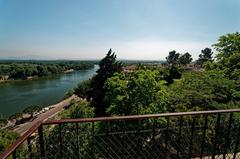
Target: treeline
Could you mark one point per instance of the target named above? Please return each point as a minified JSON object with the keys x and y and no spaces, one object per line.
{"x":168,"y":89}
{"x":24,"y":69}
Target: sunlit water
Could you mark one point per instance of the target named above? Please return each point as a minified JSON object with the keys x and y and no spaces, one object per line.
{"x":15,"y":96}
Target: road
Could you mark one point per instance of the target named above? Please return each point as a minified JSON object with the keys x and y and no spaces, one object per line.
{"x":22,"y":128}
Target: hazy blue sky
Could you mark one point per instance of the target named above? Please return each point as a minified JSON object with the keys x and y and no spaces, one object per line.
{"x":135,"y":29}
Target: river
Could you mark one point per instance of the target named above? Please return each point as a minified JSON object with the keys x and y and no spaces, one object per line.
{"x":17,"y":95}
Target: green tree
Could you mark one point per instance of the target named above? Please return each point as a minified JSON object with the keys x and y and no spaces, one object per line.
{"x":42,"y":70}
{"x":185,"y":59}
{"x":205,"y":56}
{"x":203,"y":91}
{"x":227,"y":45}
{"x":83,"y":89}
{"x":173,"y":57}
{"x":171,"y":73}
{"x":139,"y":92}
{"x":228,"y":56}
{"x":31,"y":110}
{"x":6,"y":139}
{"x":108,"y":66}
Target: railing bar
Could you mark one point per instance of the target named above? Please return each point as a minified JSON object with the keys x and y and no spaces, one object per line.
{"x":217,"y":127}
{"x":237,"y":143}
{"x":93,"y":139}
{"x":77,"y":145}
{"x":123,"y":150}
{"x":166,"y":135}
{"x":153,"y":132}
{"x":228,"y":134}
{"x":29,"y":148}
{"x":179,"y":135}
{"x":192,"y":137}
{"x":60,"y":140}
{"x":107,"y":136}
{"x":139,"y":143}
{"x":14,"y":155}
{"x":203,"y":136}
{"x":41,"y":142}
{"x":137,"y":117}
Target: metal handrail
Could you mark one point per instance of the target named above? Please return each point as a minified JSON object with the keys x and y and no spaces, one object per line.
{"x":35,"y":127}
{"x":139,"y":117}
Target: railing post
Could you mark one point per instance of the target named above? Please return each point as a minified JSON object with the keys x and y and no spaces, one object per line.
{"x":217,"y":127}
{"x":204,"y":135}
{"x":166,"y":134}
{"x":167,"y":137}
{"x":77,"y":145}
{"x":14,"y":155}
{"x":93,"y":139}
{"x":60,"y":140}
{"x":29,"y":148}
{"x":192,"y":137}
{"x":41,"y":142}
{"x":237,"y":143}
{"x":228,"y":134}
{"x":179,"y":136}
{"x":139,"y":144}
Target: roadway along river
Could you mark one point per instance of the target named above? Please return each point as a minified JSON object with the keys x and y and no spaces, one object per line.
{"x":17,"y":95}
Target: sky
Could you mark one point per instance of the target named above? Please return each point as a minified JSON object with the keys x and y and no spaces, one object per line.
{"x":134,"y":29}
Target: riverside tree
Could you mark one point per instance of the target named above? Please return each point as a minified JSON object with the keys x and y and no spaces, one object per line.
{"x":108,"y":66}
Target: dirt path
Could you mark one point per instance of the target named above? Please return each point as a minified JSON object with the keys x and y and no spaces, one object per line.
{"x":44,"y":116}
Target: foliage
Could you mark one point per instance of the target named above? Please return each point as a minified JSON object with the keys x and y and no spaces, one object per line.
{"x":22,"y":70}
{"x":68,"y":94}
{"x":228,"y":56}
{"x":6,"y":139}
{"x":15,"y":116}
{"x":173,"y":57}
{"x":171,"y":73}
{"x":80,"y":109}
{"x":227,"y":45}
{"x":205,"y":56}
{"x":108,"y":66}
{"x":3,"y":122}
{"x":185,"y":59}
{"x":32,"y":109}
{"x":203,"y":91}
{"x":139,"y":92}
{"x":83,"y":89}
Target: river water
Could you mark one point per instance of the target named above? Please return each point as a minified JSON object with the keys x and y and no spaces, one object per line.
{"x":17,"y":95}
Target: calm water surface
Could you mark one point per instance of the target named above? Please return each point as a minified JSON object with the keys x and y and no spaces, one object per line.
{"x":15,"y":96}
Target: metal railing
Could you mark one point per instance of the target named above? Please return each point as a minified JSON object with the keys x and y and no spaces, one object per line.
{"x":202,"y":134}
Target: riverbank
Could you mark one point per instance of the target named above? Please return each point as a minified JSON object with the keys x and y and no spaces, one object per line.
{"x":47,"y":113}
{"x":27,"y":78}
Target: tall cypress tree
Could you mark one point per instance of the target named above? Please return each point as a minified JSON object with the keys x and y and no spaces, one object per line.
{"x":107,"y":67}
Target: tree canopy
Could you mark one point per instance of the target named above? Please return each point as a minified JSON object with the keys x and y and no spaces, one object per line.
{"x":107,"y":67}
{"x":205,"y":56}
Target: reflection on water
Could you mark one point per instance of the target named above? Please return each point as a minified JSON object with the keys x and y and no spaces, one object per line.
{"x":17,"y":95}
